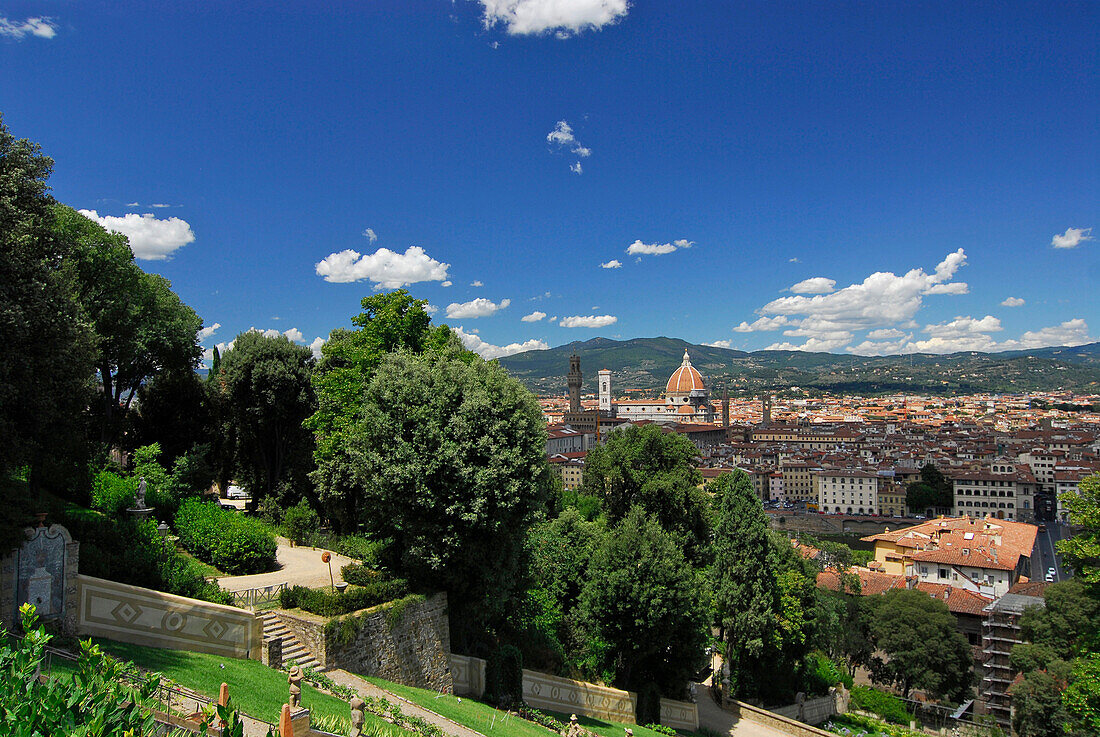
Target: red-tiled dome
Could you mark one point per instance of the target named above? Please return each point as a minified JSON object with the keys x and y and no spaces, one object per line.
{"x":685,"y":379}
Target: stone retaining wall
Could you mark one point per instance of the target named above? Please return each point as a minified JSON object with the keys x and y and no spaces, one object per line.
{"x":776,"y":721}
{"x":811,"y":711}
{"x":141,"y":616}
{"x":679,"y":715}
{"x":544,"y":691}
{"x":468,"y":674}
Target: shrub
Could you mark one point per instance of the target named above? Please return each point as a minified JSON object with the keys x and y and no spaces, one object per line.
{"x":112,"y":494}
{"x":327,"y":604}
{"x":360,"y":547}
{"x":661,"y":729}
{"x":300,"y":523}
{"x":821,"y":673}
{"x":357,"y":574}
{"x":504,"y":675}
{"x":229,"y":541}
{"x":889,"y":707}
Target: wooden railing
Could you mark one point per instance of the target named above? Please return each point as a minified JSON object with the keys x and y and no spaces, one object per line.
{"x":259,"y":597}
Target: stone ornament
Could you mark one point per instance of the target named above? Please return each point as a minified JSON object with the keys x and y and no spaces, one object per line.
{"x":295,"y":681}
{"x":357,"y":717}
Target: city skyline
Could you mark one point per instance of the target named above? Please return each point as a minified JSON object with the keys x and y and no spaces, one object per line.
{"x":849,"y":179}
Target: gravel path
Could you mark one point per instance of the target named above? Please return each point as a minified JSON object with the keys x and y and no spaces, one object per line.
{"x":297,"y":566}
{"x":715,"y":717}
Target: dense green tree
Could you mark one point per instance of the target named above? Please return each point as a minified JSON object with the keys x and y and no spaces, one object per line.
{"x":1081,"y":698}
{"x":142,"y":326}
{"x":644,"y":607}
{"x":447,"y":464}
{"x":647,"y":467}
{"x":1082,"y":551}
{"x":1068,"y":626}
{"x":173,"y":410}
{"x":1037,"y":702}
{"x":922,"y":645}
{"x":389,"y":322}
{"x":268,"y":396}
{"x":933,"y":491}
{"x":45,"y":377}
{"x":746,"y":591}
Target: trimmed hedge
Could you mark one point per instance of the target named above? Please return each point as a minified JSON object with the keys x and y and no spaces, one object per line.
{"x":227,"y":540}
{"x":327,"y":604}
{"x":357,"y":574}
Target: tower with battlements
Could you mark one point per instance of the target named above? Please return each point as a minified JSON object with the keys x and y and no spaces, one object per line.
{"x":574,"y":380}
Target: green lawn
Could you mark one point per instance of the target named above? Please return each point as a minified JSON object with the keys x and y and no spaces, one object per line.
{"x":254,"y":688}
{"x":474,"y":714}
{"x":607,"y":729}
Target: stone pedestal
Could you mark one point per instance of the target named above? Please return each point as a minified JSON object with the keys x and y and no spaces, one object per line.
{"x":272,"y":653}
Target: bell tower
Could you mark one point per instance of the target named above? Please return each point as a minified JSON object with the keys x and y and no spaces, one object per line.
{"x":573,"y":379}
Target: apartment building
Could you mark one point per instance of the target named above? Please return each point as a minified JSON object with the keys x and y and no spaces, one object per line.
{"x":846,"y":491}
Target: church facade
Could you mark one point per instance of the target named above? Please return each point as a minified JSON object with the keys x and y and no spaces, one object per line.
{"x":686,"y":399}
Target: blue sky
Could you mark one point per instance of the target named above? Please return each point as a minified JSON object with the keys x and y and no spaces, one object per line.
{"x":787,"y":174}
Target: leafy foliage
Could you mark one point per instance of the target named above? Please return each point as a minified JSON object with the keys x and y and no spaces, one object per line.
{"x":112,"y":494}
{"x":644,"y":601}
{"x":504,"y":675}
{"x":646,"y":467}
{"x":887,"y":706}
{"x":327,"y":604}
{"x":104,"y":697}
{"x":1082,"y":551}
{"x":227,"y":540}
{"x":300,"y":522}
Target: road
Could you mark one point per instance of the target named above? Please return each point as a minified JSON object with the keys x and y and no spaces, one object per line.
{"x":1045,"y":555}
{"x":297,"y":566}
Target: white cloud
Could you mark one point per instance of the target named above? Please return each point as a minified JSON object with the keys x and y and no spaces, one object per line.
{"x":479,"y":307}
{"x":813,"y":345}
{"x":431,"y":309}
{"x":370,"y":235}
{"x":385,"y":268}
{"x":208,"y":331}
{"x":564,"y":17}
{"x":38,"y":27}
{"x":553,"y":318}
{"x":489,"y":351}
{"x":447,"y":283}
{"x":294,"y":335}
{"x":882,"y":299}
{"x":562,"y":136}
{"x":814,"y":285}
{"x":719,"y":344}
{"x":161,"y":205}
{"x":588,"y":321}
{"x":1070,"y":333}
{"x":870,"y":348}
{"x":612,"y":264}
{"x":887,"y":334}
{"x":150,"y":239}
{"x":637,"y":248}
{"x":576,"y":168}
{"x":315,"y":346}
{"x":1072,"y":238}
{"x":133,"y":204}
{"x":761,"y":323}
{"x":957,"y":287}
{"x":533,"y":317}
{"x":1013,"y":302}
{"x":793,"y":260}
{"x":476,"y":284}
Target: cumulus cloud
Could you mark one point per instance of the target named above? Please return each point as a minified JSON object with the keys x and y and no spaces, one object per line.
{"x":576,"y":168}
{"x":294,"y":335}
{"x":612,"y":264}
{"x":370,"y":235}
{"x":150,"y":239}
{"x":958,"y":287}
{"x":479,"y":307}
{"x":385,"y":268}
{"x":793,"y":260}
{"x":761,"y":323}
{"x":637,"y":248}
{"x":563,"y":17}
{"x":1013,"y":302}
{"x":973,"y":334}
{"x":813,"y":345}
{"x":208,"y":331}
{"x":431,"y":309}
{"x":315,"y":346}
{"x":447,"y":283}
{"x":38,"y":27}
{"x":814,"y":285}
{"x":489,"y":351}
{"x":588,"y":321}
{"x":887,"y":334}
{"x":533,"y":317}
{"x":1070,"y":333}
{"x":1072,"y":238}
{"x":719,"y":344}
{"x":562,"y":137}
{"x":476,"y":283}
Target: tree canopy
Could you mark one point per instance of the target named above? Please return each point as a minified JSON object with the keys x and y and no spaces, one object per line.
{"x":1082,"y":551}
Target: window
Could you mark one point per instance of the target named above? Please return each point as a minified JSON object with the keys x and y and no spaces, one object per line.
{"x":943,"y":573}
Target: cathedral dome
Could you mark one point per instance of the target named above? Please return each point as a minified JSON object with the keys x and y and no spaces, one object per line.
{"x":685,"y":379}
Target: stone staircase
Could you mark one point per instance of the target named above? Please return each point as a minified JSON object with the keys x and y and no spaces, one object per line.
{"x":293,"y":649}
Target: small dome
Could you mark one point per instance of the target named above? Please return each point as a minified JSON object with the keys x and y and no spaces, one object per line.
{"x":685,"y":379}
{"x":685,"y":409}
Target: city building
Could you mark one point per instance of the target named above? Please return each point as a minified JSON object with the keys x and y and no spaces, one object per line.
{"x":840,"y":491}
{"x":1000,"y":632}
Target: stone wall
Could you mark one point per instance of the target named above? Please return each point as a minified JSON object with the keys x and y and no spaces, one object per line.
{"x":779,"y":722}
{"x":810,"y":711}
{"x":310,"y":631}
{"x":140,"y":616}
{"x":544,"y":691}
{"x":679,"y":715}
{"x":468,"y":674}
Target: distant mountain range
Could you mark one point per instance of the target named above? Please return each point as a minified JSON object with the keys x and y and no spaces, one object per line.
{"x":644,"y":365}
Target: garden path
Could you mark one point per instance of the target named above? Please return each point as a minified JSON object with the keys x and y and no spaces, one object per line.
{"x":297,"y":566}
{"x":365,"y":688}
{"x":724,"y":722}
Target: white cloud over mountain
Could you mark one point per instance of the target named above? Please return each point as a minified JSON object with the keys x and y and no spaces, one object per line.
{"x":150,"y":239}
{"x":479,"y":307}
{"x":588,"y":321}
{"x":489,"y":351}
{"x":385,"y":268}
{"x":564,"y":17}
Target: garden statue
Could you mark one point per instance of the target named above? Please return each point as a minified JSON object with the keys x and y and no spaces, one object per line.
{"x":139,"y":503}
{"x":357,"y":716}
{"x":573,"y":729}
{"x":295,"y":681}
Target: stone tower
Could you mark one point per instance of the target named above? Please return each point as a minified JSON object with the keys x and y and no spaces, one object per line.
{"x":605,"y":391}
{"x":767,"y":410}
{"x":573,"y":379}
{"x":726,"y":408}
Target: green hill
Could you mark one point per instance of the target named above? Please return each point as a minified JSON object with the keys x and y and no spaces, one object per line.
{"x":644,"y":365}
